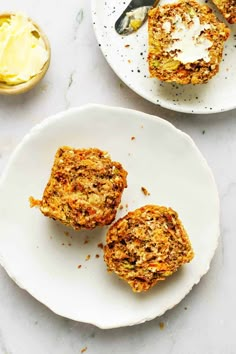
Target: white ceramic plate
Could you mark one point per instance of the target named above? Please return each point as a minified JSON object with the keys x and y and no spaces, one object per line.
{"x":41,"y":257}
{"x":217,"y":95}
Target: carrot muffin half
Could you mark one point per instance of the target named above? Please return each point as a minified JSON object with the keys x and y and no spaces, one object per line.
{"x":227,"y":8}
{"x":186,"y":42}
{"x":84,"y":189}
{"x":146,"y":246}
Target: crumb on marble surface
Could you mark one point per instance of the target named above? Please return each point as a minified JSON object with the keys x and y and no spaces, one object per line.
{"x":83,"y":350}
{"x":162,"y":325}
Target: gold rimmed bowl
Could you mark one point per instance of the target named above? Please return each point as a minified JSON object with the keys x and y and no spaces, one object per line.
{"x":6,"y":89}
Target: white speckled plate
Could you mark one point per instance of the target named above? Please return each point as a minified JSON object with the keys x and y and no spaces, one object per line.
{"x":127,"y":55}
{"x":43,"y":257}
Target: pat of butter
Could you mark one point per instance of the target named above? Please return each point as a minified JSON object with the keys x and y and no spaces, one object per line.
{"x":189,"y":43}
{"x":22,"y":50}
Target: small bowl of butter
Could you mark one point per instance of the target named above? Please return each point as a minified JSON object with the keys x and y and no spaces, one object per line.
{"x":24,"y":53}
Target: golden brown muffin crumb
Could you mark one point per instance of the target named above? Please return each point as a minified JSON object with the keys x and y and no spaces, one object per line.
{"x":145,"y":191}
{"x":100,"y":245}
{"x":146,"y":246}
{"x":84,"y":189}
{"x":162,"y":325}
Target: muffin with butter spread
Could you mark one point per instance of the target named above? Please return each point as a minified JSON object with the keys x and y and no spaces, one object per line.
{"x":186,"y":42}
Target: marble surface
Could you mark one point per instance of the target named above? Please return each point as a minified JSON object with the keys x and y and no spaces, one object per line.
{"x":204,"y":321}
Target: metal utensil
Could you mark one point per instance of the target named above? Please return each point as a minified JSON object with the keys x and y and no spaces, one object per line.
{"x":134,"y":16}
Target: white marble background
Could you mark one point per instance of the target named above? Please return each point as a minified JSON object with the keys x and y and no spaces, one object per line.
{"x":204,"y":322}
